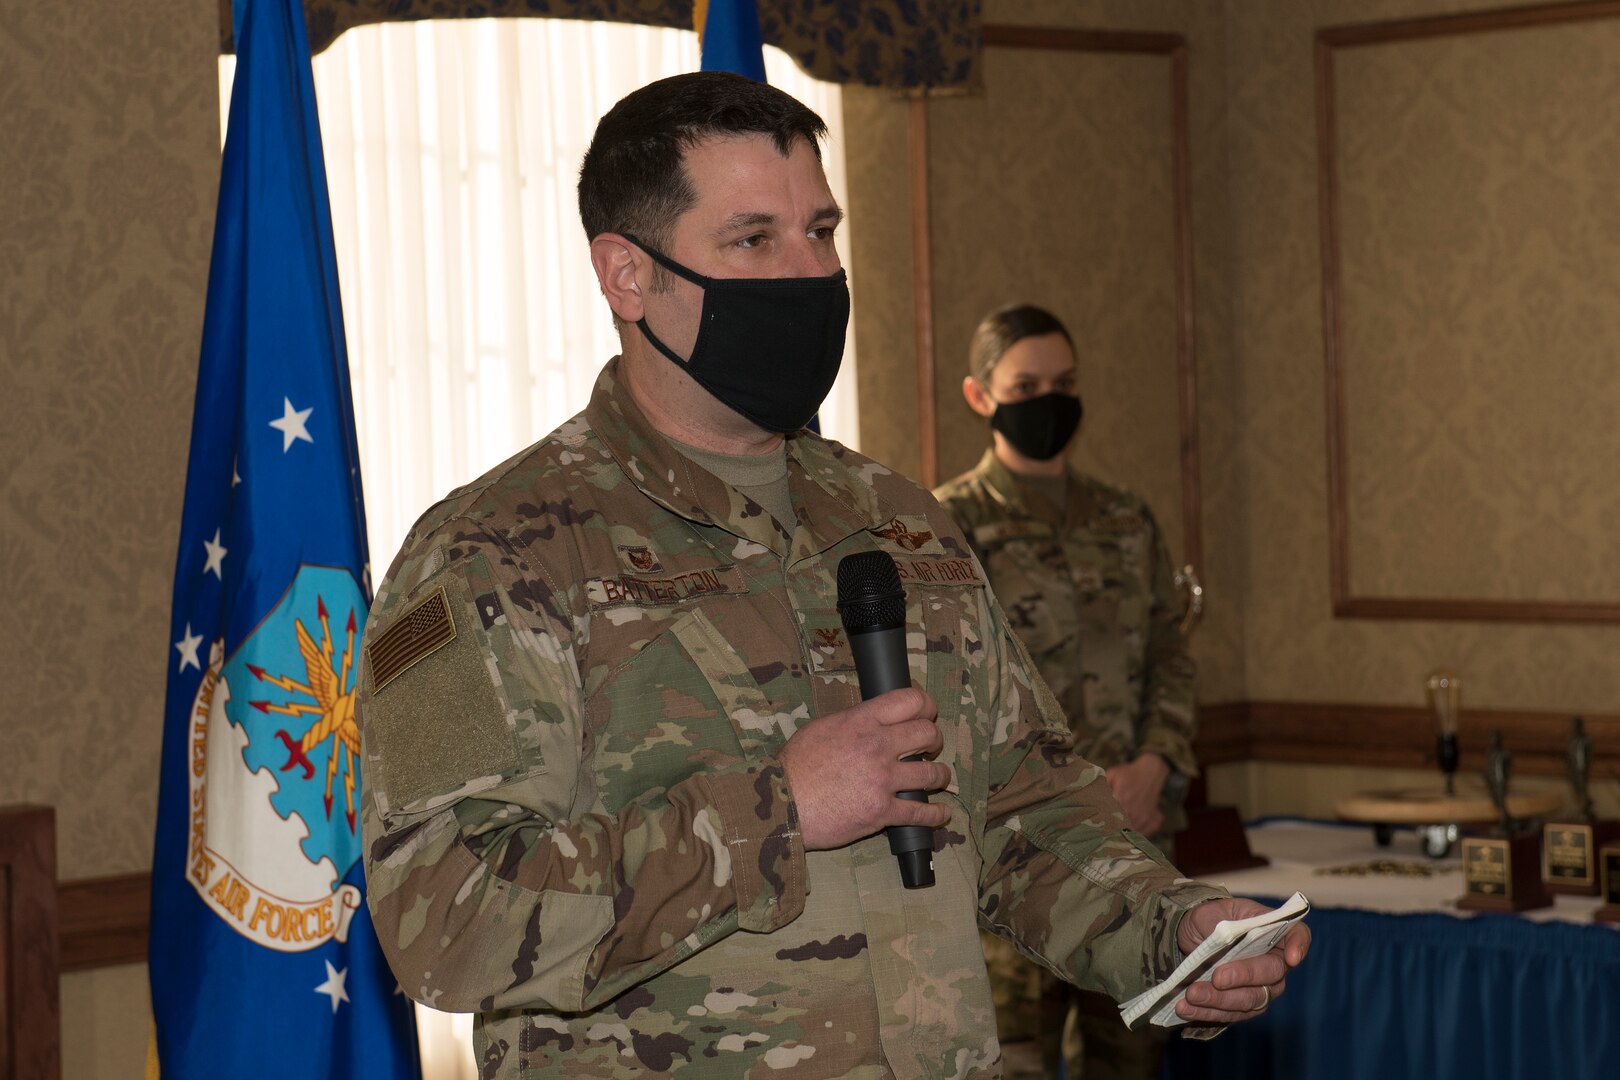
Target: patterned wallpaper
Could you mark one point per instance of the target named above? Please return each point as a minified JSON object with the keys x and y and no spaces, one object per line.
{"x":1293,"y":648}
{"x":106,"y":206}
{"x":1481,"y":289}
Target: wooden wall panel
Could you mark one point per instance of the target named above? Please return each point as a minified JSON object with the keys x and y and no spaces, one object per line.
{"x":1395,"y":737}
{"x":30,"y":1024}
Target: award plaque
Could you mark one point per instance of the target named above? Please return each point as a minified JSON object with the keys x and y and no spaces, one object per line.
{"x":1570,"y":848}
{"x":1609,"y":874}
{"x":1503,"y":873}
{"x":1569,"y":855}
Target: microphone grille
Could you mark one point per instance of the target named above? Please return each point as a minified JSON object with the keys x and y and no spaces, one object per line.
{"x":870,"y":595}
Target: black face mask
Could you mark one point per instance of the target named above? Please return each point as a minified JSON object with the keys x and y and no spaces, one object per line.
{"x":1039,"y":427}
{"x":768,"y":348}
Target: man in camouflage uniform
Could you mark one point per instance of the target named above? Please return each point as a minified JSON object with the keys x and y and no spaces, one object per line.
{"x":623,"y":800}
{"x":1084,"y":575}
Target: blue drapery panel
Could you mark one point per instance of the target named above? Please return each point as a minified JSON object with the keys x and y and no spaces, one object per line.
{"x":1389,"y":997}
{"x":898,"y":44}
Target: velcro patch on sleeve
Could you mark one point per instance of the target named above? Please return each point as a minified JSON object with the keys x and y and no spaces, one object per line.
{"x":421,"y":630}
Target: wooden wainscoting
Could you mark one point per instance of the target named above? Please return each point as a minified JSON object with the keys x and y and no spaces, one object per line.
{"x":104,"y":920}
{"x":30,"y":1017}
{"x":1394,"y":736}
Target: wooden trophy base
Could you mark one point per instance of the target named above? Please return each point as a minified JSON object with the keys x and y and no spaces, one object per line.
{"x":1214,"y":843}
{"x":1569,"y":855}
{"x":1503,"y":873}
{"x":1609,"y":875}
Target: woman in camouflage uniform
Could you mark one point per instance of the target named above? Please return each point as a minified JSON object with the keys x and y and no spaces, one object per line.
{"x":1082,"y":570}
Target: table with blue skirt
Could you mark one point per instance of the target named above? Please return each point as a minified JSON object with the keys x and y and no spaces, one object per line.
{"x":1399,"y":984}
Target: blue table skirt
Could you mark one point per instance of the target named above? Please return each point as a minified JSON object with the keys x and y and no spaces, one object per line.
{"x":1386,"y":997}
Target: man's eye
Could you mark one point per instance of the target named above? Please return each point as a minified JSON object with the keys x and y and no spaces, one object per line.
{"x":822,"y":232}
{"x":751,"y":241}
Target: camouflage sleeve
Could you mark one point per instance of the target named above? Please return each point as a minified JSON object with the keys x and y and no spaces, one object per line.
{"x":1065,"y":880}
{"x":488,"y":888}
{"x":1169,"y":720}
{"x":956,"y":503}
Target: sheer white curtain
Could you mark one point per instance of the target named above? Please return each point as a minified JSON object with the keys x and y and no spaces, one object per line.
{"x":474,"y":321}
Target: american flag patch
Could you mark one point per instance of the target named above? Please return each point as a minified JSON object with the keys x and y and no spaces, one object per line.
{"x":425,"y":627}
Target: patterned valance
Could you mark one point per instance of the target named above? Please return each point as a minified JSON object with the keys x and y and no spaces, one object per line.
{"x":899,"y":44}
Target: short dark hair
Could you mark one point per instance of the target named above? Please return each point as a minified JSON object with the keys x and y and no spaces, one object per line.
{"x":1005,"y":327}
{"x":634,"y":180}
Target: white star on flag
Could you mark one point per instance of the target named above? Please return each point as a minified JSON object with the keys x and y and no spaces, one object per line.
{"x":333,"y":986}
{"x":187,"y":647}
{"x":216,"y":557}
{"x":236,"y":476}
{"x":291,"y":424}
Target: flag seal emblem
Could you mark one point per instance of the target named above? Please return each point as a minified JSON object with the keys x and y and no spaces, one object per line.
{"x":273,"y":738}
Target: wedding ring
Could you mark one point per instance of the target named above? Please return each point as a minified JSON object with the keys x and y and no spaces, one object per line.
{"x":1266,"y":1004}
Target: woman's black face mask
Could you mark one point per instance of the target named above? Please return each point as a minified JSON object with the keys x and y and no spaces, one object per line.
{"x":1039,"y":427}
{"x":768,"y":348}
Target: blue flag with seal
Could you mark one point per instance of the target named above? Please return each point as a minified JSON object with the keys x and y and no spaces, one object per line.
{"x":728,"y":36}
{"x":263,"y":958}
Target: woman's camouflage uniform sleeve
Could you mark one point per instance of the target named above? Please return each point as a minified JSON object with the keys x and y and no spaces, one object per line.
{"x":490,"y":887}
{"x":1064,"y":879}
{"x":1170,"y":715}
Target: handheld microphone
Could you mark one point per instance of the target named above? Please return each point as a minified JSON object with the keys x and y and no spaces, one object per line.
{"x":872,"y":606}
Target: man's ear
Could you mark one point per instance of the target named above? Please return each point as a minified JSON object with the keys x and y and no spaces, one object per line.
{"x":615,"y":261}
{"x":978,"y":398}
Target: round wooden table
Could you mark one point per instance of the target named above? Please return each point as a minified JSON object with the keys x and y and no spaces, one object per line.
{"x":1421,"y":806}
{"x":1438,"y":816}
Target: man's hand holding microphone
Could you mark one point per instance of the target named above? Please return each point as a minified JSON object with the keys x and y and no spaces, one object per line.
{"x":865,"y":768}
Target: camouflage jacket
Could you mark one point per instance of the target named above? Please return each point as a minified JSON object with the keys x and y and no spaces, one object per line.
{"x":576,"y":679}
{"x":1095,"y":604}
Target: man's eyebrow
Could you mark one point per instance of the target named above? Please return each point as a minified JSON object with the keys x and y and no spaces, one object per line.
{"x":746,"y":220}
{"x":754,"y":219}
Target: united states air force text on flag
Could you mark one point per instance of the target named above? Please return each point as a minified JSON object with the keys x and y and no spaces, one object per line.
{"x":263,"y":959}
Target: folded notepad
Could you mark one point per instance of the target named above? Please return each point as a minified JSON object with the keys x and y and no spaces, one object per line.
{"x":1232,"y":939}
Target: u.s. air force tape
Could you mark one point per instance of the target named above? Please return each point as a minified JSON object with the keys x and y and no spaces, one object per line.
{"x":425,"y":627}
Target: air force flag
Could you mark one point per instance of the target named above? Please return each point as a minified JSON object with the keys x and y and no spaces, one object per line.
{"x":263,"y":958}
{"x":729,"y":38}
